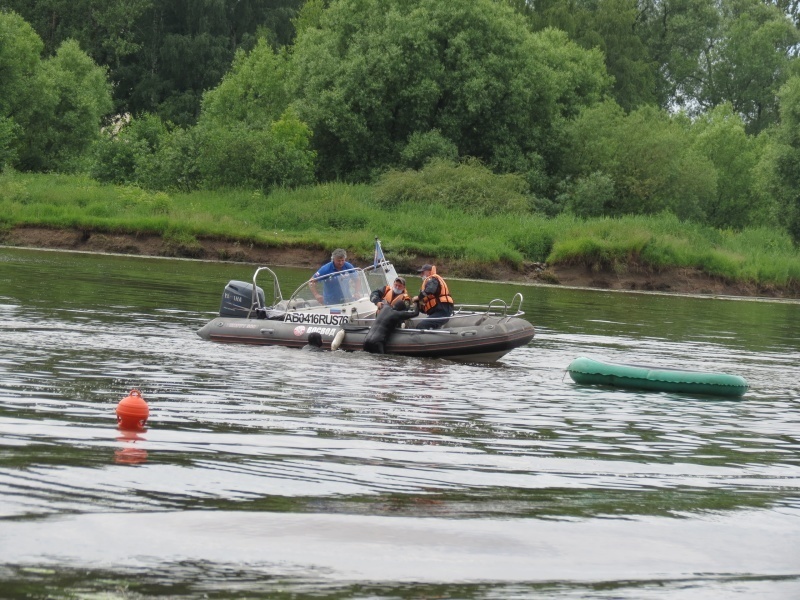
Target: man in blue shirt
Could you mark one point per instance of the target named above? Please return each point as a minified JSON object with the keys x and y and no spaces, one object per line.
{"x":332,"y":292}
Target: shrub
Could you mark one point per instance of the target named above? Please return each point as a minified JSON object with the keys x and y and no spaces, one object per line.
{"x":468,"y":187}
{"x":424,"y":147}
{"x":590,"y":195}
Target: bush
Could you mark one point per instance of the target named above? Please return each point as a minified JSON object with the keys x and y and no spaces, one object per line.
{"x":126,"y":146}
{"x":468,"y":187}
{"x":8,"y":130}
{"x":424,"y":147}
{"x":174,"y":165}
{"x":590,"y":195}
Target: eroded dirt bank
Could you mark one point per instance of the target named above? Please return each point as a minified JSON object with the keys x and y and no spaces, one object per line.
{"x":685,"y":281}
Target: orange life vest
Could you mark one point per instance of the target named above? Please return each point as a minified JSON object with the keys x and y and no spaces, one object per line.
{"x":444,"y":293}
{"x":389,"y":295}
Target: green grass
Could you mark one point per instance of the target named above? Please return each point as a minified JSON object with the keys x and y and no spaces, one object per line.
{"x":341,"y":215}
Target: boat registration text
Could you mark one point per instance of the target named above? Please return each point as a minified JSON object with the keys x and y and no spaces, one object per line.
{"x":316,"y":318}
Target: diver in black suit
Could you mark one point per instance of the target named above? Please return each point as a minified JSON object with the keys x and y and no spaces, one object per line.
{"x":387,"y":321}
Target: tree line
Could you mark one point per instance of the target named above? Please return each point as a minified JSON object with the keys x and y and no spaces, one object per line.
{"x":594,"y":107}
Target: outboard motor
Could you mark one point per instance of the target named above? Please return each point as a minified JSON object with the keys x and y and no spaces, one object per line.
{"x":238,"y":300}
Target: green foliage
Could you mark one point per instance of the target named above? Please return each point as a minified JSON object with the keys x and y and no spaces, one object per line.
{"x":63,"y":121}
{"x":676,"y":34}
{"x":107,"y":30}
{"x":125,"y":147}
{"x":20,"y":48}
{"x":240,"y":156}
{"x":13,"y":189}
{"x":751,"y":61}
{"x":253,"y":92}
{"x":174,"y":164}
{"x":161,"y":55}
{"x":309,"y":15}
{"x":374,"y":88}
{"x":246,"y":136}
{"x":214,"y":154}
{"x":423,"y":147}
{"x":468,"y":187}
{"x":19,"y":65}
{"x":784,"y":169}
{"x":601,"y":244}
{"x":590,"y":195}
{"x":648,"y":156}
{"x":612,"y":27}
{"x":664,"y":242}
{"x":340,"y":215}
{"x":8,"y":133}
{"x":721,"y":137}
{"x":374,"y":74}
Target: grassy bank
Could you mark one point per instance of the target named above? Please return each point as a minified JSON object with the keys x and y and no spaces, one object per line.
{"x":333,"y":215}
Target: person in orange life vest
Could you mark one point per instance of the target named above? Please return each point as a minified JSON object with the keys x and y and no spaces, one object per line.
{"x":434,"y":299}
{"x":386,"y":295}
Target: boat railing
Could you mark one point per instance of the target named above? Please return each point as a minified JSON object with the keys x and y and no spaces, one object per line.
{"x":277,"y":296}
{"x":496,"y":307}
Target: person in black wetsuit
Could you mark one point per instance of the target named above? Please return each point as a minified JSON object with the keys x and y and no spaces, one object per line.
{"x":386,"y":322}
{"x":314,"y":342}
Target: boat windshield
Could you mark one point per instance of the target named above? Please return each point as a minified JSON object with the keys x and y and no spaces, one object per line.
{"x":337,"y":288}
{"x":380,"y":274}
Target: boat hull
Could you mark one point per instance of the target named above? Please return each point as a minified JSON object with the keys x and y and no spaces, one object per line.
{"x":589,"y":371}
{"x":478,"y":339}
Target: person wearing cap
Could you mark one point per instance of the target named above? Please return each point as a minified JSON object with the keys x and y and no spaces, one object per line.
{"x":434,"y":299}
{"x":386,"y":295}
{"x":332,"y":290}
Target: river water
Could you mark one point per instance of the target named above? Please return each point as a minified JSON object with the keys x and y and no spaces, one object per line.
{"x":273,"y":472}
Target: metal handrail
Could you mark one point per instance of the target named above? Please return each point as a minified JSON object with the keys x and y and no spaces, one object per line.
{"x":496,"y":307}
{"x":277,"y":296}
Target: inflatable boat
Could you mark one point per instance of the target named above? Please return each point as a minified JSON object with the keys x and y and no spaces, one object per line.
{"x":585,"y":370}
{"x":344,"y":316}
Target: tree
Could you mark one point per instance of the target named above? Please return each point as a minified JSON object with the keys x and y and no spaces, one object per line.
{"x":720,"y":136}
{"x":373,"y":76}
{"x":751,"y":63}
{"x":237,"y":155}
{"x":648,"y":155}
{"x":247,"y":135}
{"x":736,"y":51}
{"x":106,"y":29}
{"x":20,"y":48}
{"x":676,"y":34}
{"x":7,"y":136}
{"x":49,"y":110}
{"x":161,"y":55}
{"x":74,"y":95}
{"x":614,"y":28}
{"x":122,"y":154}
{"x":785,"y":157}
{"x":253,"y":91}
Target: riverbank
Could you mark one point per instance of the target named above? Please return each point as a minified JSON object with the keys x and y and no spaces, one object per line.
{"x":632,"y":278}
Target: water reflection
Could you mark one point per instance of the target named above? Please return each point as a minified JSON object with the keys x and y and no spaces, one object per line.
{"x":130,"y":454}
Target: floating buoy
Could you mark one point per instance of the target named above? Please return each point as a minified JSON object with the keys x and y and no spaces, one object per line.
{"x":132,"y":411}
{"x":337,"y":340}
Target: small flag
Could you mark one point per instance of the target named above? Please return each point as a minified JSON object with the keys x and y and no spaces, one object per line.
{"x":336,"y":311}
{"x":379,"y":257}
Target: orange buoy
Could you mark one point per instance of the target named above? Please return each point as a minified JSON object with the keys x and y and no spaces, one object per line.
{"x":132,"y":411}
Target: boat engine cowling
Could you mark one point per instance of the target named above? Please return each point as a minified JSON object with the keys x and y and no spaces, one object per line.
{"x":238,"y":300}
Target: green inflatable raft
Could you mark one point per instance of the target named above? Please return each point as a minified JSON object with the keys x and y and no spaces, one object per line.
{"x":585,"y":370}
